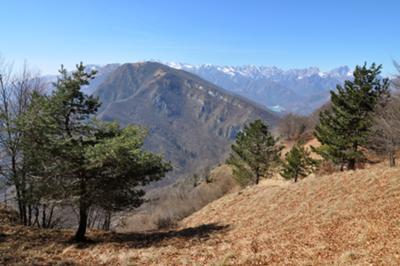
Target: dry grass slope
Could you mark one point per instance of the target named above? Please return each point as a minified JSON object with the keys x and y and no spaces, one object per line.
{"x":345,"y":218}
{"x":350,"y":218}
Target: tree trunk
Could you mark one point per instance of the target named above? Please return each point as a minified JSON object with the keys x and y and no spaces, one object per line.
{"x":392,"y":159}
{"x":351,"y":164}
{"x":44,"y":215}
{"x":296,"y":175}
{"x":80,"y":233}
{"x":24,"y":213}
{"x":107,"y":221}
{"x":29,"y":214}
{"x":19,"y":190}
{"x":49,"y":220}
{"x":36,"y":217}
{"x":20,"y":207}
{"x":342,"y":167}
{"x":83,"y":213}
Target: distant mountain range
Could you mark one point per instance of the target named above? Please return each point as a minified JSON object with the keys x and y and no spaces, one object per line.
{"x":296,"y":90}
{"x":300,"y":91}
{"x":190,"y":120}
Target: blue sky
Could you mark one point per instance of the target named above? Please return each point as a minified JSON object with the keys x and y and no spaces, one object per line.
{"x":288,"y":34}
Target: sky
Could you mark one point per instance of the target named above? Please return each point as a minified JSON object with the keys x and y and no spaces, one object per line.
{"x":284,"y":33}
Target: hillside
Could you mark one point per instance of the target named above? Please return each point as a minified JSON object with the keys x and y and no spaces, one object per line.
{"x":344,"y":218}
{"x":191,"y":121}
{"x":349,"y":218}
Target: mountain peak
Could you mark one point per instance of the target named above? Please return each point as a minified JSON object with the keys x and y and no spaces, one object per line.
{"x":295,"y":90}
{"x":191,"y":121}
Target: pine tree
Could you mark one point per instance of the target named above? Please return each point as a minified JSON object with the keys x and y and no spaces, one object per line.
{"x":83,"y":161}
{"x":254,"y":153}
{"x":298,"y":163}
{"x":344,"y":128}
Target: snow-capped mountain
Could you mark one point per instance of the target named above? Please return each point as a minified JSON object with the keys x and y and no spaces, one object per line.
{"x":295,"y":90}
{"x":252,"y":71}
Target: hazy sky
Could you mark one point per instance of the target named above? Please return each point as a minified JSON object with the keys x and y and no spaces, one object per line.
{"x":288,"y":34}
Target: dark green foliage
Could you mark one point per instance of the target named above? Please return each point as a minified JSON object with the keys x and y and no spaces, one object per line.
{"x":81,"y":161}
{"x":117,"y":166}
{"x":254,"y":153}
{"x":298,"y":163}
{"x":344,"y":128}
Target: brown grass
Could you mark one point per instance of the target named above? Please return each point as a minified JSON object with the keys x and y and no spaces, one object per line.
{"x":344,"y":218}
{"x":7,"y":215}
{"x":350,"y":218}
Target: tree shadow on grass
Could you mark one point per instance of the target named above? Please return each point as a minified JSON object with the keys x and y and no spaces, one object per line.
{"x":159,"y":238}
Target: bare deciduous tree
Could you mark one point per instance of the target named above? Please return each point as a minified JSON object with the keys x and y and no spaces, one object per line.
{"x":294,"y":127}
{"x":15,"y":94}
{"x":385,"y":136}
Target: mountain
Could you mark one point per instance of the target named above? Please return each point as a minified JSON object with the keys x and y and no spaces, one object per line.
{"x":178,"y":106}
{"x":300,"y":91}
{"x":190,"y":120}
{"x":296,"y":90}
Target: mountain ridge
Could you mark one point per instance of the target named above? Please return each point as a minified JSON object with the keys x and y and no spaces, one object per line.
{"x":190,"y":120}
{"x":299,"y":91}
{"x":263,"y":70}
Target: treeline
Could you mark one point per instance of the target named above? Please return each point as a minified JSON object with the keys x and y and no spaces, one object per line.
{"x":56,"y":154}
{"x":362,"y":116}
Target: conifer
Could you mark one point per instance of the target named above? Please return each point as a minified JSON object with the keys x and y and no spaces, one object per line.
{"x":344,"y":128}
